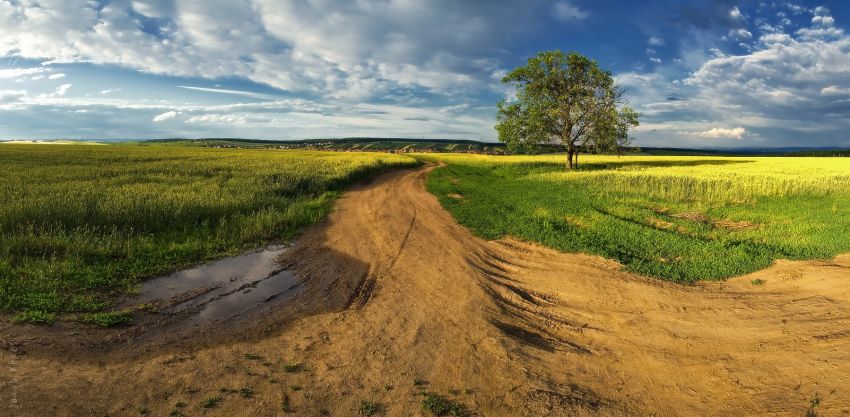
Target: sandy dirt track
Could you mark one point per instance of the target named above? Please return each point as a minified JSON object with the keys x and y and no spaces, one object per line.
{"x":394,"y":291}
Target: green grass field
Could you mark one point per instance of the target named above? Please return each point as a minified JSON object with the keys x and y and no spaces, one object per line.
{"x":678,"y":218}
{"x":79,"y":224}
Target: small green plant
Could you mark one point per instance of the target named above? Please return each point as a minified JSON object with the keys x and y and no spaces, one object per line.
{"x":246,"y":392}
{"x":34,"y":317}
{"x":388,"y":387}
{"x":253,"y":357}
{"x":295,"y":387}
{"x":292,"y":367}
{"x":211,"y":402}
{"x":285,"y":406}
{"x":180,"y":404}
{"x":107,"y":319}
{"x":368,"y":408}
{"x":812,"y":411}
{"x":176,"y":413}
{"x":758,"y":282}
{"x":143,"y":410}
{"x":148,"y":307}
{"x":440,"y":406}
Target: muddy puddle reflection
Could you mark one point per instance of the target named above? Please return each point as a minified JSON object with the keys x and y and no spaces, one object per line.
{"x":223,"y":289}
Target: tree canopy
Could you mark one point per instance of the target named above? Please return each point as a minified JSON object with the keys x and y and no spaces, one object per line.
{"x":565,"y":99}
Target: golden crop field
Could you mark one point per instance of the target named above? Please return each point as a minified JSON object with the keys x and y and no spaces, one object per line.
{"x":78,"y":223}
{"x":681,"y":218}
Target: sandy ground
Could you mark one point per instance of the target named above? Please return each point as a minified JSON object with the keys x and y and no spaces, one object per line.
{"x":396,"y":299}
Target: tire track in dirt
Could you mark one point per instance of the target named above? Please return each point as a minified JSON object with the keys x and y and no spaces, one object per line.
{"x":527,"y":330}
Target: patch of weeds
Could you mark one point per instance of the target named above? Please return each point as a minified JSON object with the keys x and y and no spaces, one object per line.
{"x":148,"y":308}
{"x":273,"y":380}
{"x":143,"y":411}
{"x":440,"y":406}
{"x":419,"y":382}
{"x":176,"y":413}
{"x":253,"y":357}
{"x":812,"y":412}
{"x":87,"y":303}
{"x":107,"y":319}
{"x":211,"y":402}
{"x":388,"y":387}
{"x":246,"y":392}
{"x":758,"y":282}
{"x":368,"y":408}
{"x":284,"y":405}
{"x":468,"y":391}
{"x":295,"y":387}
{"x":180,"y":404}
{"x":292,"y":367}
{"x":34,"y":317}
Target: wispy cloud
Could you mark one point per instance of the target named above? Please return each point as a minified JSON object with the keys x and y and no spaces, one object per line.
{"x":230,"y":92}
{"x":566,"y":11}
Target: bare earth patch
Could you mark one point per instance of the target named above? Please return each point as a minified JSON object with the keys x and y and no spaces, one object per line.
{"x":399,"y":301}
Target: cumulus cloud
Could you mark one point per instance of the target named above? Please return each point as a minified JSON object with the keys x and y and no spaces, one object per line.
{"x":59,"y":92}
{"x":165,"y":116}
{"x":721,"y":132}
{"x":55,"y":76}
{"x":835,"y":91}
{"x":565,"y":11}
{"x":735,"y":14}
{"x":334,"y":48}
{"x":740,"y":34}
{"x":656,"y":41}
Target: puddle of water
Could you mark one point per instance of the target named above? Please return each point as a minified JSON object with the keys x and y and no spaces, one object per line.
{"x":223,"y":289}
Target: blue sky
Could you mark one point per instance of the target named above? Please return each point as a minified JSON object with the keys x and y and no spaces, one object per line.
{"x":703,"y":73}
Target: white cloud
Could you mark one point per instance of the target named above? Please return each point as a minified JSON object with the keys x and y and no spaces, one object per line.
{"x":333,"y":48}
{"x":11,"y":95}
{"x":835,"y":91}
{"x":720,"y":132}
{"x":165,"y":116}
{"x":735,"y":13}
{"x":230,"y":92}
{"x":825,"y":21}
{"x":55,"y":76}
{"x":19,"y":72}
{"x":59,"y":92}
{"x":565,"y":11}
{"x":231,"y":119}
{"x":655,"y":60}
{"x":656,"y":41}
{"x":740,"y":34}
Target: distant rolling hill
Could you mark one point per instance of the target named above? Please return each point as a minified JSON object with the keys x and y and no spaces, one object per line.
{"x":405,"y":145}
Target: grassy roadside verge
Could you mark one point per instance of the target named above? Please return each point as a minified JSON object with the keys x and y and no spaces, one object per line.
{"x":80,"y":224}
{"x":677,"y":218}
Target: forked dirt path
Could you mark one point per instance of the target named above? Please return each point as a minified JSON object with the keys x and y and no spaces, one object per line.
{"x":396,"y":292}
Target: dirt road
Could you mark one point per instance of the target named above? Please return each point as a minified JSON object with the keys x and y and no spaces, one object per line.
{"x":396,"y":299}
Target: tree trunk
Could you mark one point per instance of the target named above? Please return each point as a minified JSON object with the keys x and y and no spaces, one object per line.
{"x":576,"y":159}
{"x":570,"y":153}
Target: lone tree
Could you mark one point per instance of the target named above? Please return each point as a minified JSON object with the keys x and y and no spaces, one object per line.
{"x":565,"y":99}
